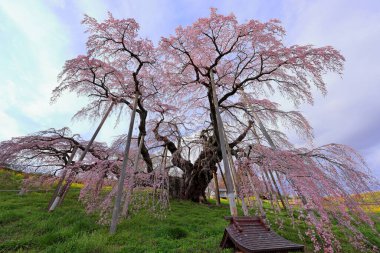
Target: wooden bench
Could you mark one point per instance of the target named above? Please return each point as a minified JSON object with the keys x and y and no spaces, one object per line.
{"x":250,"y":234}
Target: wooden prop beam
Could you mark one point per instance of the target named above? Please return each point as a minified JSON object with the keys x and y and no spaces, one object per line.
{"x":58,"y":189}
{"x":230,"y":186}
{"x":132,"y":179}
{"x":271,"y":144}
{"x":217,"y":195}
{"x":119,"y":194}
{"x":63,"y":189}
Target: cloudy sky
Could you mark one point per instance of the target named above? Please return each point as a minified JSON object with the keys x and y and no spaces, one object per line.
{"x":36,"y":37}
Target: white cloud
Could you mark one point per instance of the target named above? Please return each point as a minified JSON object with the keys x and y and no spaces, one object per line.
{"x":9,"y":126}
{"x":34,"y":52}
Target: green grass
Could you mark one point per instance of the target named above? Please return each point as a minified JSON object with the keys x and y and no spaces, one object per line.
{"x":10,"y":180}
{"x":25,"y":226}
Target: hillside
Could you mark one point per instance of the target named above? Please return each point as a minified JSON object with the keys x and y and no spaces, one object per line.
{"x":25,"y":226}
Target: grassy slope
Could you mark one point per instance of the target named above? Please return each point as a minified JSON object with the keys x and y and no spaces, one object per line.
{"x":189,"y":227}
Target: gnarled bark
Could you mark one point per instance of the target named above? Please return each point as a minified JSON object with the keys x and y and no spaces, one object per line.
{"x":197,"y":175}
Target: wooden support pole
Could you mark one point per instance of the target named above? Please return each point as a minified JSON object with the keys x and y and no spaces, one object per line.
{"x":257,"y":196}
{"x":165,"y":175}
{"x":132,"y":179}
{"x":61,"y":196}
{"x":163,"y":162}
{"x":217,"y":195}
{"x":221,"y":172}
{"x":272,"y":145}
{"x":236,"y":180}
{"x":65,"y":188}
{"x":208,"y":193}
{"x":119,"y":194}
{"x":278,"y":190}
{"x":96,"y":133}
{"x":269,"y":186}
{"x":60,"y":182}
{"x":230,"y":187}
{"x":283,"y":190}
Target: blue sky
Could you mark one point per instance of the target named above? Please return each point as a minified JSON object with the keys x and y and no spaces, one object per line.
{"x":36,"y":37}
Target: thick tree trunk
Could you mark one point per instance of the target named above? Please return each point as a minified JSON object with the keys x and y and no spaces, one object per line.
{"x":196,"y":185}
{"x":198,"y":175}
